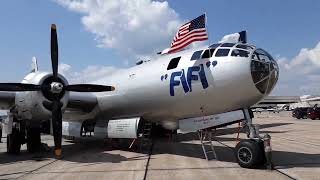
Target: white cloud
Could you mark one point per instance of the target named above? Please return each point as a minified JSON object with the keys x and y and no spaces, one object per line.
{"x":64,"y":68}
{"x":301,"y":74}
{"x":231,"y":38}
{"x":88,"y":75}
{"x":136,"y":28}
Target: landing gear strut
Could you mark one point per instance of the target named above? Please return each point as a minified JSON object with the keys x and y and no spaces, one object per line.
{"x":250,"y":152}
{"x":33,"y":139}
{"x":14,"y":141}
{"x":23,"y":133}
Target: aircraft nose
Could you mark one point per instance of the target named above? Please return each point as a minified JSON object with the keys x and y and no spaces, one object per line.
{"x":264,"y":71}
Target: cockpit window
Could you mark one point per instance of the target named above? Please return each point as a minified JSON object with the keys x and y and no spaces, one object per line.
{"x":263,"y":56}
{"x":211,"y":52}
{"x":264,"y":71}
{"x":240,"y":53}
{"x":173,"y":63}
{"x":227,"y":44}
{"x":243,"y":46}
{"x":259,"y":70}
{"x":196,"y":55}
{"x":222,"y":52}
{"x":215,"y":45}
{"x":254,"y":56}
{"x":207,"y":53}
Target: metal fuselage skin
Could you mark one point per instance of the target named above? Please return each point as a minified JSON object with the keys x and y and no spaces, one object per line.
{"x":144,"y":90}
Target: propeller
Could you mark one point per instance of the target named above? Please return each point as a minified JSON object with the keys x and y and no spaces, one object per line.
{"x":56,"y":88}
{"x":19,"y":87}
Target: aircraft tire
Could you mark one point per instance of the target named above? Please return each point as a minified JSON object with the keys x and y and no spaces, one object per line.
{"x":14,"y":142}
{"x":33,"y":140}
{"x":249,"y":154}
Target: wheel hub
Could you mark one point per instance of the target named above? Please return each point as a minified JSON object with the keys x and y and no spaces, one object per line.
{"x":56,"y":87}
{"x":244,"y":155}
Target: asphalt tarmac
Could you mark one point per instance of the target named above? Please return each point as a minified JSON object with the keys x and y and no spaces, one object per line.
{"x":295,"y":144}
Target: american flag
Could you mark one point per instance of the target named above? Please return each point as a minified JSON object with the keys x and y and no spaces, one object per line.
{"x":192,"y":31}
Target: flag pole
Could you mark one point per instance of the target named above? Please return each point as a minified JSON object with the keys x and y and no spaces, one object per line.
{"x":206,"y":26}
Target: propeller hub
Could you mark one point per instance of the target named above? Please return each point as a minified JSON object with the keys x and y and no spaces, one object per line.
{"x":56,"y":87}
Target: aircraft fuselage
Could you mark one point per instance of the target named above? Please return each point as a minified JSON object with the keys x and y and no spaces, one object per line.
{"x":194,"y":88}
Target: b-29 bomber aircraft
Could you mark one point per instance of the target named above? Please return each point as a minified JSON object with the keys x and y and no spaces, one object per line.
{"x":190,"y":84}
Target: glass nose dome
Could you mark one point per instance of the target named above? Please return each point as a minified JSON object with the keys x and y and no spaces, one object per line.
{"x":264,"y":71}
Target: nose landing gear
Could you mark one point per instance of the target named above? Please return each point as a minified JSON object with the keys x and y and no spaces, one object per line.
{"x":250,"y":153}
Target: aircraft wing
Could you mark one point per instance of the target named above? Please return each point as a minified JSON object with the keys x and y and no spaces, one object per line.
{"x":7,"y":100}
{"x":79,"y":103}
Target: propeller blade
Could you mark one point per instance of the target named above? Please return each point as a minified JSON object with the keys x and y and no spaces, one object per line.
{"x":19,"y":87}
{"x":54,"y":51}
{"x":57,"y":125}
{"x":88,"y":88}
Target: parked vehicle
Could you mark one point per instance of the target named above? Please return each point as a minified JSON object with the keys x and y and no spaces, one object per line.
{"x":286,"y":107}
{"x":300,"y":112}
{"x":314,"y":112}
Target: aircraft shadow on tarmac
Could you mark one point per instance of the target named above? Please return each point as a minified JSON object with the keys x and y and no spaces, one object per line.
{"x":84,"y":152}
{"x":90,"y":154}
{"x":281,"y":159}
{"x":98,"y":152}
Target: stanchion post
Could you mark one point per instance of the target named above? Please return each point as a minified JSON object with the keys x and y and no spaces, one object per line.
{"x":268,"y":151}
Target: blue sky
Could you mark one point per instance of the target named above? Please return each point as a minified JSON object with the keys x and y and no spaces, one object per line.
{"x":281,"y":27}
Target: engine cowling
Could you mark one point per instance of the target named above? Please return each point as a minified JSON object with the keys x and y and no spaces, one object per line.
{"x":31,"y":104}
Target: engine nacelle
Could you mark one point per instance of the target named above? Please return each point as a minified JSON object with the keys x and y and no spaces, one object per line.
{"x":30,"y":105}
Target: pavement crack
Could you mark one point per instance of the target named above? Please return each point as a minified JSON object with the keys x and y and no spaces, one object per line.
{"x":29,"y":172}
{"x":148,"y":161}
